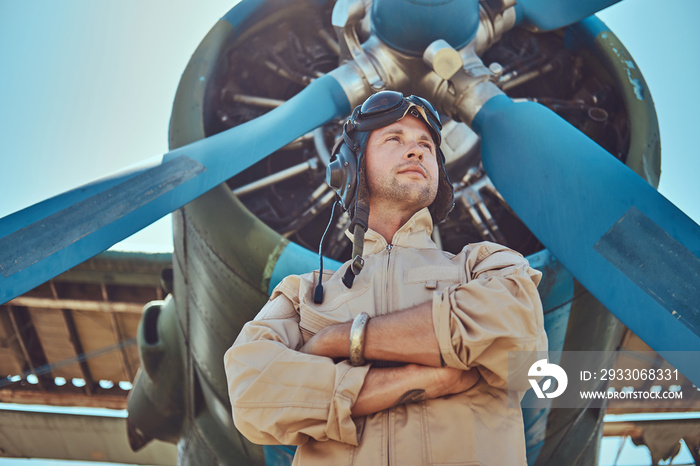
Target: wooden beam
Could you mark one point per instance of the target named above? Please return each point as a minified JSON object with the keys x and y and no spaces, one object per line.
{"x":22,"y":343}
{"x":63,"y":399}
{"x":105,"y":295}
{"x":77,"y":305}
{"x":654,"y":406}
{"x":54,"y":291}
{"x":116,"y":331}
{"x":78,"y":348}
{"x":122,"y":350}
{"x":11,"y":358}
{"x":622,"y":429}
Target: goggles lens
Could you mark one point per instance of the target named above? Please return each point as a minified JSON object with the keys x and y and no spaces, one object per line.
{"x":386,"y":107}
{"x":381,"y":102}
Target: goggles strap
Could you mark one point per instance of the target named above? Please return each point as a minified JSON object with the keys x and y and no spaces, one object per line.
{"x":419,"y":109}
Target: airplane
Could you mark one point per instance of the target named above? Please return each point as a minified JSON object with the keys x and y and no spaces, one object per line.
{"x":213,"y":262}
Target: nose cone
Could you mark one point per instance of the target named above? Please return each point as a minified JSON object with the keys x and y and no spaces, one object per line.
{"x":410,"y":26}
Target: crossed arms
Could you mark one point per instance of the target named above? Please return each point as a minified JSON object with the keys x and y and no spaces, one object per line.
{"x":406,"y":336}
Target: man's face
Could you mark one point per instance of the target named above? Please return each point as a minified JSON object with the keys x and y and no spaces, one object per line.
{"x":402,"y":165}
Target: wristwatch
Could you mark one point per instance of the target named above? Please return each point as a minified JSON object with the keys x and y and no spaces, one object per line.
{"x":357,"y":339}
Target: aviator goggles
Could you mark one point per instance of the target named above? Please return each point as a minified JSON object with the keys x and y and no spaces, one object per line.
{"x":387,"y":107}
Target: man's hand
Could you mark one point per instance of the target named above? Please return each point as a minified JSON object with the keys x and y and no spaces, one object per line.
{"x":386,"y":388}
{"x":332,"y":341}
{"x":451,"y":381}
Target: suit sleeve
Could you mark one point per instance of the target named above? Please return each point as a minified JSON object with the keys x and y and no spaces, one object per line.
{"x":281,"y":396}
{"x":497,"y":311}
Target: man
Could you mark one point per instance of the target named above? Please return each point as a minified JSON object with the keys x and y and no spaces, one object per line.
{"x":401,"y":356}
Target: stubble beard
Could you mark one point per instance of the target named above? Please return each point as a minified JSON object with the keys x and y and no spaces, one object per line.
{"x":404,"y":193}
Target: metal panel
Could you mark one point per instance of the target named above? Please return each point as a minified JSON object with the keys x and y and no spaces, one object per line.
{"x":26,"y":434}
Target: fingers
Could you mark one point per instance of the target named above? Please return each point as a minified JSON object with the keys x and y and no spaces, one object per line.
{"x":469,"y":378}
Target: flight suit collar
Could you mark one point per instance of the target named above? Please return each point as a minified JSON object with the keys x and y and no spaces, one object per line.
{"x":415,"y":233}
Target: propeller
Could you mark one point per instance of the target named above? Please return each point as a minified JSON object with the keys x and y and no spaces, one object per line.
{"x":547,"y":15}
{"x":627,"y":244}
{"x":44,"y":240}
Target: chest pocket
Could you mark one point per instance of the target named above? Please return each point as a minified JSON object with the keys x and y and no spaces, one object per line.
{"x":433,"y":277}
{"x":339,"y":305}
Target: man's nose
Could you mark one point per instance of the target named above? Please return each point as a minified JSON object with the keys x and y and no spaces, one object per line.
{"x":415,"y":151}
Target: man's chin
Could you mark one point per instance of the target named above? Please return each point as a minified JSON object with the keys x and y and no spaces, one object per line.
{"x":408,"y":194}
{"x":417,"y":200}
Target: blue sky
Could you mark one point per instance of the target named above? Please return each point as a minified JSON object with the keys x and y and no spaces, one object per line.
{"x":87,"y":89}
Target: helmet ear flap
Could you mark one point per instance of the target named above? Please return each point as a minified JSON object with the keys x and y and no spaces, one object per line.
{"x":445,"y":199}
{"x":341,"y":174}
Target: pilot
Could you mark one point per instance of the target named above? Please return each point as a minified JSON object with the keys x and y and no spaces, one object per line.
{"x":401,"y":356}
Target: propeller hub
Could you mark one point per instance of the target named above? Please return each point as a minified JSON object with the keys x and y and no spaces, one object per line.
{"x":411,"y":26}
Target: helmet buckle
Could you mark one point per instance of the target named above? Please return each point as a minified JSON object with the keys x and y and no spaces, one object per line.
{"x":357,"y":264}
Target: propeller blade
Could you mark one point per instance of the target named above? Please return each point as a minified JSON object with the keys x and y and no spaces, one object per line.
{"x":44,"y":240}
{"x":546,"y":15}
{"x":627,"y":244}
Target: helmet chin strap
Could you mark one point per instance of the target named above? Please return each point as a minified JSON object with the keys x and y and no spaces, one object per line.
{"x":360,"y":226}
